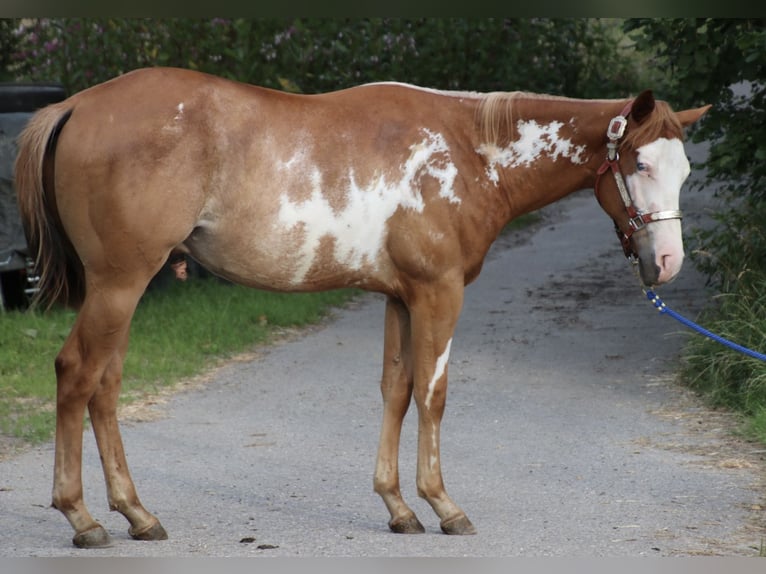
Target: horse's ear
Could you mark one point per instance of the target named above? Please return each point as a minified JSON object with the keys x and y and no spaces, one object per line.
{"x":643,"y":105}
{"x":688,"y":117}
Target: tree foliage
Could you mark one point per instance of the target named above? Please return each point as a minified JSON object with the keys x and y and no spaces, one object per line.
{"x":575,"y":57}
{"x":722,"y":62}
{"x":8,"y":43}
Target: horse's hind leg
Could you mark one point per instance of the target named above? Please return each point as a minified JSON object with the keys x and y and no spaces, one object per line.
{"x":121,"y":492}
{"x":396,"y":387}
{"x":87,"y":372}
{"x":76,"y":383}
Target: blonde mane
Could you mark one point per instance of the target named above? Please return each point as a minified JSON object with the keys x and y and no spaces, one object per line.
{"x":496,"y":111}
{"x":495,"y":118}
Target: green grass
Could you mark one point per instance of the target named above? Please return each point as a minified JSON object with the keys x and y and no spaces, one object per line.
{"x":28,"y":344}
{"x":732,"y":253}
{"x":177,"y":332}
{"x":727,"y":378}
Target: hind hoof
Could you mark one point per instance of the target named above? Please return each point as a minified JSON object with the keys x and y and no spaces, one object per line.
{"x":95,"y":537}
{"x":409,"y":525}
{"x":459,"y":525}
{"x":153,"y":532}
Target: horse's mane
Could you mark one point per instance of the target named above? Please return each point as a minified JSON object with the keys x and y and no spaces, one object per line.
{"x":496,"y":112}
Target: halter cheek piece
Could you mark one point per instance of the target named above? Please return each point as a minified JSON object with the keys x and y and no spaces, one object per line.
{"x":637,"y":219}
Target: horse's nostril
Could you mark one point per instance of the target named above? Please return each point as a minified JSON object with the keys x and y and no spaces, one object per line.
{"x":669,"y":266}
{"x":671,"y":261}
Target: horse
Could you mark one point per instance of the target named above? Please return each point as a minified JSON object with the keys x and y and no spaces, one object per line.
{"x":387,"y":187}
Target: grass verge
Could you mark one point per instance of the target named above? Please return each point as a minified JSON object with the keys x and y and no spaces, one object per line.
{"x":177,"y":332}
{"x":727,"y":378}
{"x":732,"y":253}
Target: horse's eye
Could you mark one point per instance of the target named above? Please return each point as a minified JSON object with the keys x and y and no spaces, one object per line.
{"x":641,"y":166}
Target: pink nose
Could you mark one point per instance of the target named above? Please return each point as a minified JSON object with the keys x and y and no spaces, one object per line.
{"x":670,"y":265}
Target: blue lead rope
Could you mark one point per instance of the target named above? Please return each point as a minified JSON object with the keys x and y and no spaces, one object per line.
{"x":664,"y":310}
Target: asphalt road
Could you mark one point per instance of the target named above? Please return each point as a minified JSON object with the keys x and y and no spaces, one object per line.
{"x":565,"y":432}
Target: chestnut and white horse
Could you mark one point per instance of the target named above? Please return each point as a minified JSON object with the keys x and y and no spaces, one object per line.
{"x":386,"y":187}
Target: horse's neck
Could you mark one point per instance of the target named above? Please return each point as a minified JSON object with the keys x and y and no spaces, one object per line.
{"x":556,"y":147}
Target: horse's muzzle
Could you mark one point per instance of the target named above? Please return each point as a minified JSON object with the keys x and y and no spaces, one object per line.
{"x":658,"y":270}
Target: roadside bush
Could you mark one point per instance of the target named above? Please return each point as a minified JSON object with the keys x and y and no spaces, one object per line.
{"x":723,"y":62}
{"x":733,"y":255}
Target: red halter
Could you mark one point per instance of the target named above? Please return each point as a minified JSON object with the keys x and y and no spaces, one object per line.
{"x":636,"y":218}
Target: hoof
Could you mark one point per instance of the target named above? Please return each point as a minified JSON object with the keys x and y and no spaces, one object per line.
{"x":409,"y":525}
{"x":458,"y":525}
{"x":95,"y":537}
{"x":153,"y":532}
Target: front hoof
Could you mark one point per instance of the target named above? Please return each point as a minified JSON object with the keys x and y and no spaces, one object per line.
{"x":95,"y":537}
{"x":409,"y":525}
{"x":153,"y":532}
{"x":458,"y":525}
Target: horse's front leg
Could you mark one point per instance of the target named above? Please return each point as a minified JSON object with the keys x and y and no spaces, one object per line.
{"x":434,"y":316}
{"x":396,"y":388}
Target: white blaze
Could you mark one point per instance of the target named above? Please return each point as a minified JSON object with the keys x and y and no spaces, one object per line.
{"x":658,"y":188}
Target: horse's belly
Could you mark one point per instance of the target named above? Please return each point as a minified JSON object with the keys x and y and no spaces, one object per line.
{"x":299,"y":256}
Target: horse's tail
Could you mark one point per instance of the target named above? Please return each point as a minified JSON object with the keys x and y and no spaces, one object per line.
{"x":62,"y":278}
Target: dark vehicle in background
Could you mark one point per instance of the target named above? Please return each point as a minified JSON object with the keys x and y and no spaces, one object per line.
{"x":18,"y":102}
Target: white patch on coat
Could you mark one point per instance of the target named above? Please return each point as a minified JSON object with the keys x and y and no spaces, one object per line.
{"x":360,"y":228}
{"x":534,"y":142}
{"x":434,"y":458}
{"x":174,"y":125}
{"x":441,"y":366}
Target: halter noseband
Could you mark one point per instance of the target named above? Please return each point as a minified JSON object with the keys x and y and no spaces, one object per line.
{"x":637,"y":219}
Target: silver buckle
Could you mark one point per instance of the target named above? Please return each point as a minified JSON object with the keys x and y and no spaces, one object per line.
{"x":636,"y":223}
{"x":616,"y":128}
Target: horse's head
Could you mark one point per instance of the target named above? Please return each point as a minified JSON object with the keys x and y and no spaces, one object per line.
{"x":648,"y":166}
